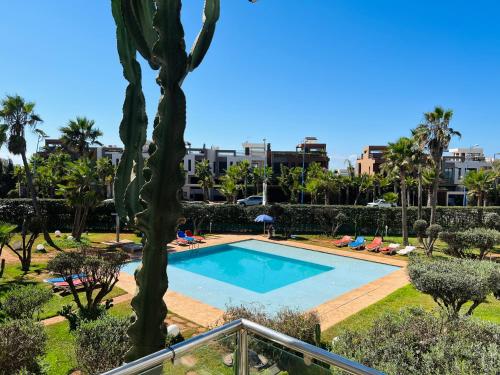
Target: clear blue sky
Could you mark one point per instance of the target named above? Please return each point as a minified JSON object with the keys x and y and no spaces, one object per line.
{"x":351,"y":72}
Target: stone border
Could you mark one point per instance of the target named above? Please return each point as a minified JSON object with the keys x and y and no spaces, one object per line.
{"x":330,"y":312}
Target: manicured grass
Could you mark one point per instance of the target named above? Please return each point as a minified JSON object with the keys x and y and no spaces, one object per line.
{"x":60,"y":356}
{"x":404,"y":297}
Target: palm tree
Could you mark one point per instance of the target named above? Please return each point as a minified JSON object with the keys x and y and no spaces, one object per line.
{"x":398,"y":158}
{"x":365,"y":183}
{"x":243,"y":173}
{"x":3,"y":134}
{"x":18,"y":115}
{"x":78,"y":135}
{"x":229,"y":188}
{"x":435,"y":133}
{"x":205,"y":178}
{"x":259,"y":174}
{"x":420,"y":160}
{"x":479,"y":184}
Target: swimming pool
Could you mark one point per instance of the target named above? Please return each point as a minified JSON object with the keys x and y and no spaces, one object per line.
{"x":264,"y":273}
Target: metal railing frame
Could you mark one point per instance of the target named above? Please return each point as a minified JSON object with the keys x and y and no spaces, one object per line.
{"x":242,"y":327}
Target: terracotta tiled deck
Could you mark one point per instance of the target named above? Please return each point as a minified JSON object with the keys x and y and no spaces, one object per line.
{"x":330,"y":312}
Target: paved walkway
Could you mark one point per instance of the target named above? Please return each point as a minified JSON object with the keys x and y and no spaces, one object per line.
{"x":330,"y":312}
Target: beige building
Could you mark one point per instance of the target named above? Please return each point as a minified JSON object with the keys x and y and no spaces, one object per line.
{"x":370,"y":160}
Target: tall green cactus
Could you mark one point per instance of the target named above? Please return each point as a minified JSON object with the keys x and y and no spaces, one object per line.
{"x":156,"y":31}
{"x":133,"y":125}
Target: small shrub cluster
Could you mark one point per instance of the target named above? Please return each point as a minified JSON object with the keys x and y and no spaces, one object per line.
{"x":22,"y":339}
{"x":22,"y":344}
{"x":294,"y":323}
{"x":23,"y":302}
{"x":415,"y":342}
{"x":462,"y":244}
{"x":101,"y":344}
{"x":452,"y":283}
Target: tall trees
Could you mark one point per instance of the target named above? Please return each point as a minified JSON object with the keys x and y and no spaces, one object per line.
{"x":398,"y":158}
{"x":80,"y":188}
{"x":205,"y":177}
{"x":435,"y":133}
{"x":290,"y":182}
{"x":79,"y":134}
{"x":479,"y":184}
{"x":18,"y":115}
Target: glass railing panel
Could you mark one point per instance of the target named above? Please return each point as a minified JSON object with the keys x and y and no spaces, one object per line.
{"x":267,"y":358}
{"x":216,"y":357}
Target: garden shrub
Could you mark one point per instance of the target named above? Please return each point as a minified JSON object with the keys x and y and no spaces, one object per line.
{"x":291,"y":322}
{"x":492,"y":220}
{"x":454,"y":282}
{"x":482,"y":238}
{"x":235,"y":218}
{"x":415,"y":342}
{"x":101,"y":344}
{"x":456,"y":244}
{"x":22,"y":344}
{"x":104,"y":270}
{"x":22,"y":302}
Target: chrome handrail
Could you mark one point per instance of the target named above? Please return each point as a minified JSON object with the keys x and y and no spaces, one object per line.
{"x":242,"y":327}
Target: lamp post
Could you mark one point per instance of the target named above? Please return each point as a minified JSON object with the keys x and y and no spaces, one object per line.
{"x":304,"y":163}
{"x":264,"y":183}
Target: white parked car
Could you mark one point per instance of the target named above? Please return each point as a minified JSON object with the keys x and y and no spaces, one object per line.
{"x":380,"y":203}
{"x":253,"y":200}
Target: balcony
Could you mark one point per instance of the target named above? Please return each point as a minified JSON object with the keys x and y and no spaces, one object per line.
{"x":243,"y":347}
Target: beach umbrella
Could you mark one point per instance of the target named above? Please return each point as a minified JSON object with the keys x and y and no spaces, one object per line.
{"x":264,"y":219}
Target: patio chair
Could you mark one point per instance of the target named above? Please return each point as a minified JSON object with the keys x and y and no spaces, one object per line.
{"x":389,"y":250}
{"x":375,"y":244}
{"x":407,"y":250}
{"x":182,"y":235}
{"x":182,"y":242}
{"x":196,"y":238}
{"x":344,"y":241}
{"x":358,"y":244}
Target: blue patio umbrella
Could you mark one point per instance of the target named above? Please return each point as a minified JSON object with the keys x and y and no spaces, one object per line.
{"x":264,"y":219}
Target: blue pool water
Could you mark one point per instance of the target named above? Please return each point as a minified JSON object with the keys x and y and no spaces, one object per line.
{"x":267,"y":274}
{"x":253,"y":270}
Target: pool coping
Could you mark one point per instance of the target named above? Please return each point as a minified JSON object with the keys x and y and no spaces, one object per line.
{"x":330,"y":312}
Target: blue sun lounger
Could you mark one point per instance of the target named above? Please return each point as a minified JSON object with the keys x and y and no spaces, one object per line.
{"x":358,"y":243}
{"x":181,"y":234}
{"x":62,"y":279}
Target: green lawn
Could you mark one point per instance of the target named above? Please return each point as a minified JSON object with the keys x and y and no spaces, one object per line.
{"x":13,"y":276}
{"x":401,"y":298}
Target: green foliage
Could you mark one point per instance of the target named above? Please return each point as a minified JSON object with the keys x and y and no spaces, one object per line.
{"x":81,"y":190}
{"x":413,"y":342}
{"x":98,"y":274}
{"x":101,"y":344}
{"x":23,"y":302}
{"x":205,"y":177}
{"x":479,"y":184}
{"x":454,"y":282}
{"x":22,"y":343}
{"x":482,"y":238}
{"x":78,"y":135}
{"x":492,"y":220}
{"x":390,"y":197}
{"x":294,"y":323}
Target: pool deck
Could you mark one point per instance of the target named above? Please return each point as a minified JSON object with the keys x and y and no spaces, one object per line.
{"x":330,"y":312}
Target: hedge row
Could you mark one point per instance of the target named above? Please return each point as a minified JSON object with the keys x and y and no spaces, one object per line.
{"x":234,"y":218}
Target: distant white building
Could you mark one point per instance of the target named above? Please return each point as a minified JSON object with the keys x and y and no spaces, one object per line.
{"x":220,"y":160}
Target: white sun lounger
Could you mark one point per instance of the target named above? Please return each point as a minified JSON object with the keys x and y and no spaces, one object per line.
{"x":407,"y":250}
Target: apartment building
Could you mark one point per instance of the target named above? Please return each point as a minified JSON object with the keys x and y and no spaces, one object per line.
{"x":305,"y":153}
{"x":220,"y":160}
{"x":370,"y":160}
{"x":457,"y":162}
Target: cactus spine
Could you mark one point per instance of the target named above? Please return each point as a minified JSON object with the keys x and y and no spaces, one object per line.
{"x":156,"y":30}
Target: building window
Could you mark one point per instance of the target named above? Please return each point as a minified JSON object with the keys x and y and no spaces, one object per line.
{"x":459,"y":173}
{"x":189,"y":165}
